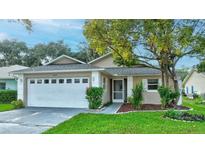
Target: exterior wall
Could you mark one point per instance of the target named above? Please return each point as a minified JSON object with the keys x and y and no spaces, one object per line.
{"x":11,"y":84}
{"x":150,"y":97}
{"x":65,"y":61}
{"x":129,"y":85}
{"x":197,"y":80}
{"x":106,"y":88}
{"x":105,"y":62}
{"x":97,"y":81}
{"x":22,"y":94}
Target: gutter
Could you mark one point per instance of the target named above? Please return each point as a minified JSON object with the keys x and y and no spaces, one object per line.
{"x":57,"y":71}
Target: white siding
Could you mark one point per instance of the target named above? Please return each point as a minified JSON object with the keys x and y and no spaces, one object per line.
{"x":197,"y":80}
{"x":20,"y":87}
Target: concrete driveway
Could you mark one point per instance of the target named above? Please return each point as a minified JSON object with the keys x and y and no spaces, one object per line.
{"x":34,"y":120}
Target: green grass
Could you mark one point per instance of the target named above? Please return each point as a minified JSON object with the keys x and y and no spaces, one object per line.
{"x":6,"y":107}
{"x":131,"y":123}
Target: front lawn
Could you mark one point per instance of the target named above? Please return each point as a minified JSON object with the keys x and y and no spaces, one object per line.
{"x":131,"y":123}
{"x":6,"y":107}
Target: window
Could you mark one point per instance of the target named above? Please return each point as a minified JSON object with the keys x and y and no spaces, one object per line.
{"x":46,"y":81}
{"x":69,"y":81}
{"x":61,"y":81}
{"x":77,"y":80}
{"x":2,"y":85}
{"x":39,"y":81}
{"x":53,"y":81}
{"x":32,"y":81}
{"x":152,"y":84}
{"x":85,"y":80}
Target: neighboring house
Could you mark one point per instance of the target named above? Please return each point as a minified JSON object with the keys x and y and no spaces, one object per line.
{"x":194,"y":83}
{"x":7,"y":81}
{"x":63,"y":82}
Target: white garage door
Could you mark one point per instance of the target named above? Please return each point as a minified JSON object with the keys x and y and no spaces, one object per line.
{"x":58,"y":92}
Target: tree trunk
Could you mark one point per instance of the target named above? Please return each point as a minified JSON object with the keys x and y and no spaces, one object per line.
{"x":166,"y":76}
{"x":162,"y":75}
{"x":175,"y":81}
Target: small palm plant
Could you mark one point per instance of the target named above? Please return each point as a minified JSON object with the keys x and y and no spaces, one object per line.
{"x":137,"y":96}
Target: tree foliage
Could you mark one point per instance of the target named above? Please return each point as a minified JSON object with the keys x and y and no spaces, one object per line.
{"x":27,"y":23}
{"x":14,"y":52}
{"x":43,"y":53}
{"x":159,"y":44}
{"x":85,"y":53}
{"x":201,"y":67}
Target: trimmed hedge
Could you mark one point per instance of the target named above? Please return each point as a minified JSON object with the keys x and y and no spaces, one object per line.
{"x":7,"y":96}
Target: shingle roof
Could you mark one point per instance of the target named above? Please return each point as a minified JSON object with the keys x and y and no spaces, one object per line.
{"x":132,"y":71}
{"x":4,"y":71}
{"x":121,"y":71}
{"x":47,"y":68}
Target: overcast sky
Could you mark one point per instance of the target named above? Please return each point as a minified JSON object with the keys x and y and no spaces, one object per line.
{"x":70,"y":31}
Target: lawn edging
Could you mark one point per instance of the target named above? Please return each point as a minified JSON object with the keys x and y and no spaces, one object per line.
{"x":191,"y":109}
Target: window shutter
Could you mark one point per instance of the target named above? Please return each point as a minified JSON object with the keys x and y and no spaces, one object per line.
{"x":144,"y":81}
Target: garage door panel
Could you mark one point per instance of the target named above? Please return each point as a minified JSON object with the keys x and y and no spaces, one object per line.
{"x":57,"y":95}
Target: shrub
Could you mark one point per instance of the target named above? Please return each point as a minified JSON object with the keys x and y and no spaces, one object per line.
{"x":195,"y":95}
{"x":18,"y":104}
{"x":94,"y":97}
{"x":199,"y":100}
{"x":137,"y":96}
{"x":167,"y":95}
{"x":7,"y":96}
{"x":172,"y":114}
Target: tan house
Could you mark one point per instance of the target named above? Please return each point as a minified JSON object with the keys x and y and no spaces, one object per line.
{"x":194,"y":83}
{"x":63,"y":82}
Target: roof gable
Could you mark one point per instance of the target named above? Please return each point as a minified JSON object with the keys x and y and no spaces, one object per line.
{"x":64,"y":59}
{"x":104,"y":61}
{"x":190,"y":74}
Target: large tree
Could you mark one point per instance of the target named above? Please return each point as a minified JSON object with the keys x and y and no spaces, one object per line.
{"x":201,"y":66}
{"x":12,"y":52}
{"x":158,"y":44}
{"x":43,"y":53}
{"x":85,"y":53}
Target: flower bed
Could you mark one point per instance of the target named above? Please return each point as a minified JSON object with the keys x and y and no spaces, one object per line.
{"x":127,"y":107}
{"x":185,"y":116}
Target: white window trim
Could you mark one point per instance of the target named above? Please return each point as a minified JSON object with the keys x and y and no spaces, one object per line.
{"x":153,"y":84}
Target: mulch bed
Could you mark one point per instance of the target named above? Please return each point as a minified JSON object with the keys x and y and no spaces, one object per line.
{"x":127,"y":107}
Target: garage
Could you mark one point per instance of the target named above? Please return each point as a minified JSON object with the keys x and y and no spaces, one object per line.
{"x":57,"y":92}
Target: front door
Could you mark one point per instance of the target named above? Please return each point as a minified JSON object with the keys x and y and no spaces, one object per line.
{"x":118,"y":91}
